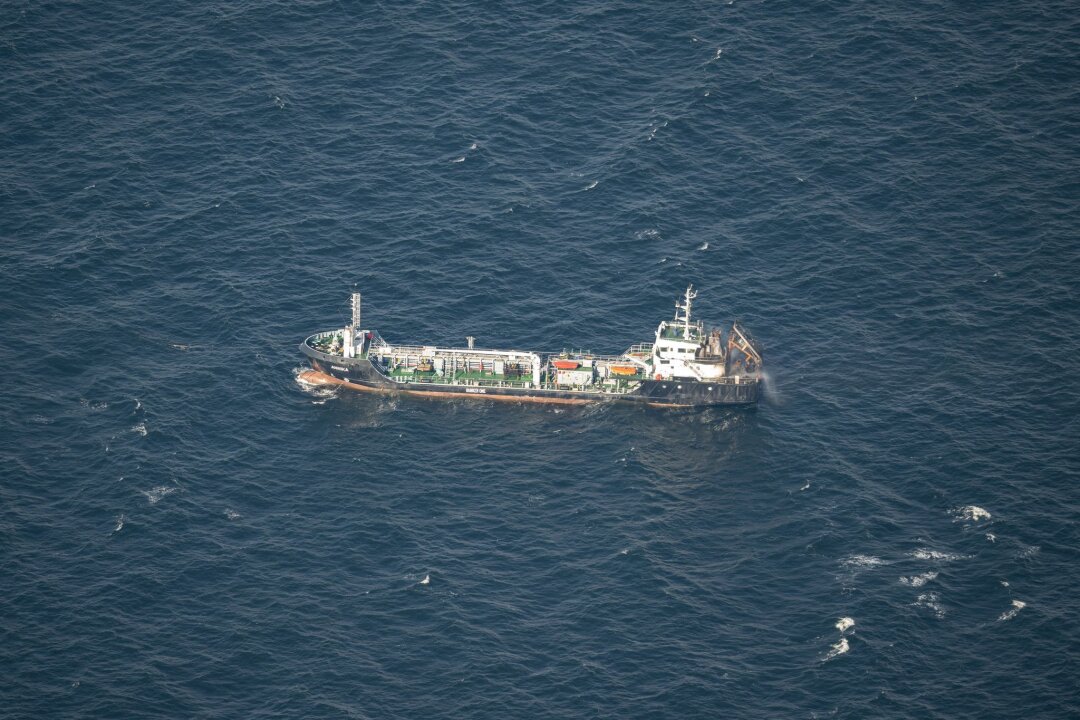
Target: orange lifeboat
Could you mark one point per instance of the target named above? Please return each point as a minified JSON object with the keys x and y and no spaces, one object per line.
{"x":566,"y":364}
{"x":622,"y":369}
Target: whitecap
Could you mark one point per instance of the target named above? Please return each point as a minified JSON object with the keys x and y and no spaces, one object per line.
{"x":231,"y":514}
{"x":473,"y":146}
{"x":119,"y":523}
{"x":991,"y":537}
{"x":845,"y":623}
{"x":971,"y":513}
{"x":839,"y":648}
{"x":154,"y":495}
{"x":805,"y":487}
{"x":919,"y":580}
{"x":1017,"y":606}
{"x":932,"y":602}
{"x":593,"y":184}
{"x":140,"y":429}
{"x":460,"y":159}
{"x":426,"y":580}
{"x":862,"y":561}
{"x":704,"y":246}
{"x":928,"y":554}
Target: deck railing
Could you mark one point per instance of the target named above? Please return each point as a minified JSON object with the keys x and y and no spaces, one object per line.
{"x":639,"y":349}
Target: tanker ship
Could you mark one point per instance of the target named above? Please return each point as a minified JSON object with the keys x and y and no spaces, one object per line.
{"x":684,"y":366}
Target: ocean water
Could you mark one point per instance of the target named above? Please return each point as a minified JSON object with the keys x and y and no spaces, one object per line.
{"x":885,"y":194}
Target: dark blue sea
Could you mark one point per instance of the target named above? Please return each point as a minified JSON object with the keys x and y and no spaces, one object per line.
{"x":885,"y":194}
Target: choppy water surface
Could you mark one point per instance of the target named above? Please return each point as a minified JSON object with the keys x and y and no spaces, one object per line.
{"x":885,"y":196}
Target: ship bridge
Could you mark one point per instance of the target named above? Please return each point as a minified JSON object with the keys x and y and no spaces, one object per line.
{"x":684,"y":350}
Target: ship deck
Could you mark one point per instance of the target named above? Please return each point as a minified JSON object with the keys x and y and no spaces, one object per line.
{"x":361,"y":357}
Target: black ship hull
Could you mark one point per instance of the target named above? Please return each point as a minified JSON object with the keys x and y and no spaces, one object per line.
{"x":361,"y":374}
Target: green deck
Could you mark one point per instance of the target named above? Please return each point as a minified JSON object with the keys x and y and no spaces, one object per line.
{"x":460,"y":377}
{"x":493,"y":380}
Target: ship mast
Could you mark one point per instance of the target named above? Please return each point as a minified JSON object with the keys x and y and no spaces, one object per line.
{"x":355,"y":313}
{"x":685,"y":308}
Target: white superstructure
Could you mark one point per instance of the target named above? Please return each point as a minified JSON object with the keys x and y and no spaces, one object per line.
{"x":682,"y":350}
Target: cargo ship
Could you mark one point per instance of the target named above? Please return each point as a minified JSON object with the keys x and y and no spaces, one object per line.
{"x":684,"y":366}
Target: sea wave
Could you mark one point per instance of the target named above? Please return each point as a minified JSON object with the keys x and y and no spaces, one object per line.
{"x":157,"y":494}
{"x":919,"y":580}
{"x":971,"y":513}
{"x":1017,"y":606}
{"x":840,"y":647}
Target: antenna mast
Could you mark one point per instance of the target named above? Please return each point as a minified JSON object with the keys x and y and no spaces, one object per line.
{"x":355,"y":312}
{"x":685,"y":307}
